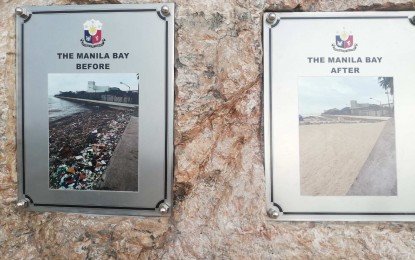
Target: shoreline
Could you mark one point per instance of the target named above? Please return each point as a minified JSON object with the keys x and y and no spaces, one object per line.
{"x":81,"y":146}
{"x":89,"y":106}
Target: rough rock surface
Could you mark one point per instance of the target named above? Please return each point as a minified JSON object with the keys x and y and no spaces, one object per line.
{"x":219,"y":209}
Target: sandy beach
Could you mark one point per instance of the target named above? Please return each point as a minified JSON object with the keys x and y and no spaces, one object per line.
{"x":332,"y":155}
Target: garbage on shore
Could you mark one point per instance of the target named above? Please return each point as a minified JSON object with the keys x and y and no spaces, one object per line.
{"x":81,"y":146}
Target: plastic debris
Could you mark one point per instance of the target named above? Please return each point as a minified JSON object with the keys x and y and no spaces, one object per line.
{"x":81,"y":146}
{"x":71,"y":170}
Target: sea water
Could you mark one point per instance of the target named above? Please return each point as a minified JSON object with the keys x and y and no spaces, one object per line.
{"x":59,"y":108}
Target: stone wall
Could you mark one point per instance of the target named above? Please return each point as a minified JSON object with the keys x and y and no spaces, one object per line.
{"x":219,"y":204}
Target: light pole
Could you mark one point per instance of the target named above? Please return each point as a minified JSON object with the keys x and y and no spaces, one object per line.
{"x":129,"y":89}
{"x":380,"y":104}
{"x":389,"y":104}
{"x":138,"y":88}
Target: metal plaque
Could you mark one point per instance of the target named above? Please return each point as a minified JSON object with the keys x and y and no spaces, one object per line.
{"x":338,"y":115}
{"x":95,"y":108}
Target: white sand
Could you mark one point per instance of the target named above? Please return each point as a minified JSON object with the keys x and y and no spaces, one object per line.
{"x":331,"y":155}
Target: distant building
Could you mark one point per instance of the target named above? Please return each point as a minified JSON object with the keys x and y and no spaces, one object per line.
{"x":334,"y":111}
{"x":362,"y":109}
{"x":355,"y":105}
{"x":92,"y":88}
{"x":366,"y":109}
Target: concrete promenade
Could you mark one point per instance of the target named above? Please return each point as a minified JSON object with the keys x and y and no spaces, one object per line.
{"x":377,"y":177}
{"x":122,"y":172}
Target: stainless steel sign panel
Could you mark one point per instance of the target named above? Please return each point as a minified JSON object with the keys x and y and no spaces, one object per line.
{"x":95,"y":108}
{"x":338,"y":109}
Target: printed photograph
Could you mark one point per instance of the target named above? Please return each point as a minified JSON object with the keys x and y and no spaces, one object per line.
{"x":93,"y":131}
{"x":347,"y":136}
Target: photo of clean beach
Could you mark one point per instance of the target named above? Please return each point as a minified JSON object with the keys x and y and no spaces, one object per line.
{"x":347,"y":136}
{"x":93,"y":131}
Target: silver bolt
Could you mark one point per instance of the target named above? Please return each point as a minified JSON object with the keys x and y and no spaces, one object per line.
{"x":271,"y":18}
{"x":412,"y":20}
{"x":23,"y":203}
{"x":164,"y":208}
{"x":272,"y":213}
{"x":19,"y":11}
{"x":165,"y":10}
{"x":22,"y":12}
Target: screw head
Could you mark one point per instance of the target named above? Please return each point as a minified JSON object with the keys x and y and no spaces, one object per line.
{"x":165,"y":10}
{"x":23,"y":203}
{"x":164,"y":208}
{"x":272,"y":213}
{"x":19,"y":11}
{"x":271,"y":18}
{"x":22,"y":12}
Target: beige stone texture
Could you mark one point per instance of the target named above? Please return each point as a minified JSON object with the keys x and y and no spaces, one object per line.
{"x":219,"y":189}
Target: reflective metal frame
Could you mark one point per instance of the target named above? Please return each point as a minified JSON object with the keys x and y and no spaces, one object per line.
{"x":277,"y":207}
{"x":154,"y":197}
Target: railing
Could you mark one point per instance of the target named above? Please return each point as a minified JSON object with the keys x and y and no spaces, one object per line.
{"x":118,"y":96}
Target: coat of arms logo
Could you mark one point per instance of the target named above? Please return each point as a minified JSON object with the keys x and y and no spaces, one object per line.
{"x":344,"y":42}
{"x":92,"y":34}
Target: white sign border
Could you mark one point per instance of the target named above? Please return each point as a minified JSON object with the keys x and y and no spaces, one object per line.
{"x":274,"y":210}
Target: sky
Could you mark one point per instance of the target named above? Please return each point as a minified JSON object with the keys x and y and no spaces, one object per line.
{"x":79,"y":82}
{"x":317,"y":94}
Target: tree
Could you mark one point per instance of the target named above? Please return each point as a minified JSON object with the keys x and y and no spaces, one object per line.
{"x":386,"y":83}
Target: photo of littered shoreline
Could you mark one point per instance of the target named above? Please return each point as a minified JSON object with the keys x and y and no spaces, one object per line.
{"x":81,"y":147}
{"x":93,"y":131}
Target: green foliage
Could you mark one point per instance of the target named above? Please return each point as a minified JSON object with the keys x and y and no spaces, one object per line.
{"x":386,"y":83}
